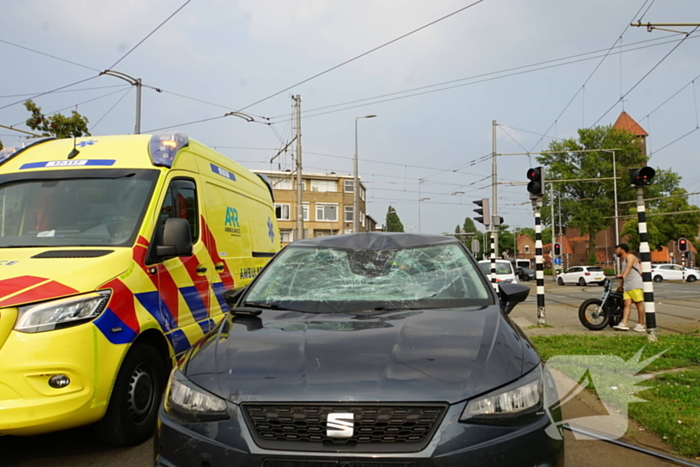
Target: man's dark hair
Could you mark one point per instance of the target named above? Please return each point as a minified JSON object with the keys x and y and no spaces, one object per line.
{"x":624,"y":246}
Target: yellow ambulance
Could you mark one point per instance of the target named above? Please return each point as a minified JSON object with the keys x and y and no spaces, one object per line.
{"x":115,"y":255}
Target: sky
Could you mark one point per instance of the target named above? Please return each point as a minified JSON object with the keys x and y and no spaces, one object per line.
{"x":541,"y":69}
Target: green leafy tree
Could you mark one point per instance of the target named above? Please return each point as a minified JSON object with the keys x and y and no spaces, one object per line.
{"x":57,"y":125}
{"x":662,"y":229}
{"x":589,"y":205}
{"x":393,"y":223}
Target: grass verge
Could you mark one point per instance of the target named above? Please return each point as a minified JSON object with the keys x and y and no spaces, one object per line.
{"x":672,"y":411}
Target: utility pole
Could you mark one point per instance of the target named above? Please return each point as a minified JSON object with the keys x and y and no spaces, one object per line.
{"x":494,"y":192}
{"x":551,"y":252}
{"x":300,"y":187}
{"x":134,"y":82}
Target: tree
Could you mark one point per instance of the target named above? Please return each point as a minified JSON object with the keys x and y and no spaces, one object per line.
{"x":393,"y":223}
{"x":57,"y":125}
{"x":588,"y":206}
{"x":663,"y":229}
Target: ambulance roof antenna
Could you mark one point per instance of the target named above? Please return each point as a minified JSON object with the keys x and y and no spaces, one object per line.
{"x":74,"y":152}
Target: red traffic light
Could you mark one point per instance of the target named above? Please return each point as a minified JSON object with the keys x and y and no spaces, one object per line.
{"x":683,"y":245}
{"x":557,"y":249}
{"x":642,"y":177}
{"x":536,"y":177}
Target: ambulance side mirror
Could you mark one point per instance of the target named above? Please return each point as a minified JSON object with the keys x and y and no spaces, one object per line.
{"x":176,"y":239}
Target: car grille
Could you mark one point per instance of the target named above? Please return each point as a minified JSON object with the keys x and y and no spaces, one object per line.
{"x":377,"y":427}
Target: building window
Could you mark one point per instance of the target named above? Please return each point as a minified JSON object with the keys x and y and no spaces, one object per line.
{"x":324,"y":185}
{"x":326,"y":212}
{"x":348,"y":231}
{"x":349,"y":186}
{"x":281,"y":183}
{"x":282,"y":212}
{"x":286,"y":236}
{"x":362,"y":218}
{"x":348,"y":214}
{"x":527,"y":248}
{"x":362,"y":193}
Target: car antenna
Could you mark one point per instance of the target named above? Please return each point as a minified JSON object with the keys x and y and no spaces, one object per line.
{"x":74,"y":152}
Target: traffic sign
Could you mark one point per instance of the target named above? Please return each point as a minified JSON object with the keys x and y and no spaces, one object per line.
{"x":475,"y":246}
{"x":557,"y":261}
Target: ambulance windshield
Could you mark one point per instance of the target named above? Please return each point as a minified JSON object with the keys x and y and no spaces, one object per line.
{"x":101,"y":210}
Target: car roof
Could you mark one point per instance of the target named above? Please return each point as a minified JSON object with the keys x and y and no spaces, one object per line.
{"x":498,"y":261}
{"x":375,"y":241}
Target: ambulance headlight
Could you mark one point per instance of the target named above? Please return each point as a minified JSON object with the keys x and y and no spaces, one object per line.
{"x":62,"y":313}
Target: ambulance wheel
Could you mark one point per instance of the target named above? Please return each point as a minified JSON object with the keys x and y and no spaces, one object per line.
{"x":133,"y":408}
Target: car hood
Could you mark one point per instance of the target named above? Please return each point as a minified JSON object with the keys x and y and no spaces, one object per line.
{"x":30,"y":275}
{"x":428,"y":355}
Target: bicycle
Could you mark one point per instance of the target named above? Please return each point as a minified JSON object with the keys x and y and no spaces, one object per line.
{"x":596,"y":313}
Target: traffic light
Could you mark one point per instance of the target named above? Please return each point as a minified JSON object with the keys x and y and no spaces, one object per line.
{"x":483,"y":211}
{"x":536,"y":177}
{"x":642,"y":177}
{"x":682,"y":245}
{"x":557,"y":249}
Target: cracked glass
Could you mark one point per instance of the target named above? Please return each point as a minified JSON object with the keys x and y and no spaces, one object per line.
{"x":337,"y":280}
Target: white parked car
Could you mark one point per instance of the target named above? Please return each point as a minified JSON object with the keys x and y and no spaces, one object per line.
{"x":504,"y":270}
{"x":582,"y":275}
{"x":673,"y":272}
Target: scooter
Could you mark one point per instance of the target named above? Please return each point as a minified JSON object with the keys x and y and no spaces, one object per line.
{"x":596,"y":313}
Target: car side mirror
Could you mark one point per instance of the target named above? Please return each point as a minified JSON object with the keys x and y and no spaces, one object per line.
{"x":176,"y":239}
{"x":232,"y":296}
{"x":512,"y":294}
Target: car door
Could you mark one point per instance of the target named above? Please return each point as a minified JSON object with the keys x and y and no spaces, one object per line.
{"x":677,"y":272}
{"x":572,"y":275}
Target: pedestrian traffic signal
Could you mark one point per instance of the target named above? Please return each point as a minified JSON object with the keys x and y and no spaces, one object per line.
{"x":536,"y":177}
{"x":682,"y":245}
{"x":557,"y":249}
{"x":642,"y":177}
{"x":483,"y":211}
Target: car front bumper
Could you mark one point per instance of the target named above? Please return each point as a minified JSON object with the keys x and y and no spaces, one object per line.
{"x":454,"y":444}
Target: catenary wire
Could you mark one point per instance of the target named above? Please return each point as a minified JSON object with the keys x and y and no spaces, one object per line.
{"x":49,"y":92}
{"x":79,"y":103}
{"x":111,"y":108}
{"x":645,"y":75}
{"x":49,"y":55}
{"x":482,"y":75}
{"x":67,"y":90}
{"x":362,"y":55}
{"x":627,"y":26}
{"x":149,"y":35}
{"x":417,"y":94}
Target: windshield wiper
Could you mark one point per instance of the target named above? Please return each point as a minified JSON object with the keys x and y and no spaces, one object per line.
{"x":267,"y":306}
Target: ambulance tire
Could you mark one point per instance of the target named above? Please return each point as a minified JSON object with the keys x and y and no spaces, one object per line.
{"x":133,"y":407}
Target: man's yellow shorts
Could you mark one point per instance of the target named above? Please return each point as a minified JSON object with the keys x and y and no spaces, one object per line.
{"x":637,"y":295}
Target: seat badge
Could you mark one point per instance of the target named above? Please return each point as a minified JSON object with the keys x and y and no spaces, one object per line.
{"x":340,"y":425}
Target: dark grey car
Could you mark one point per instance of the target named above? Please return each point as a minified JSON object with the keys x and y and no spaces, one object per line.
{"x":369,"y":349}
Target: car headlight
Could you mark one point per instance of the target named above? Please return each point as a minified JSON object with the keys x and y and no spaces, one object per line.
{"x":189,"y":403}
{"x":519,"y":402}
{"x":61,"y":313}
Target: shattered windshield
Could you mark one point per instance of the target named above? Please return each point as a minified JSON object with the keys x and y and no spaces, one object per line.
{"x":64,"y":211}
{"x":501,"y":268}
{"x":329,"y":279}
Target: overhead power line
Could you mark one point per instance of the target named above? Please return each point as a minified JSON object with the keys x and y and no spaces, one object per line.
{"x":361,"y":55}
{"x":583,"y":86}
{"x":149,"y":35}
{"x":645,"y":76}
{"x":49,"y":55}
{"x":49,"y":92}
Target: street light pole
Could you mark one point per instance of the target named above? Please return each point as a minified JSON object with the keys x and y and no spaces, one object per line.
{"x":356,"y":187}
{"x":134,"y":82}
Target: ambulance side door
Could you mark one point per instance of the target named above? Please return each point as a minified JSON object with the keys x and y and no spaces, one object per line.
{"x":183,"y":282}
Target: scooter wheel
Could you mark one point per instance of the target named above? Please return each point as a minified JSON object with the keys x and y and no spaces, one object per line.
{"x":592,"y":315}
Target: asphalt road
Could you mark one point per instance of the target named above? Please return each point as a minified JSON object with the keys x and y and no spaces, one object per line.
{"x":678,"y":308}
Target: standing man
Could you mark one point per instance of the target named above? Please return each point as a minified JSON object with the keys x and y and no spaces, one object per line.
{"x":633,"y":286}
